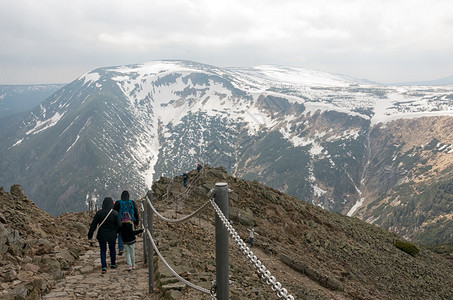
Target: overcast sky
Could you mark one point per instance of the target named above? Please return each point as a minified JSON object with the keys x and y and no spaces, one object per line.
{"x":56,"y":41}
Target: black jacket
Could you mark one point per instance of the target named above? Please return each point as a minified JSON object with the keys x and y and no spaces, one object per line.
{"x":111,"y":226}
{"x":128,"y":233}
{"x":117,"y":207}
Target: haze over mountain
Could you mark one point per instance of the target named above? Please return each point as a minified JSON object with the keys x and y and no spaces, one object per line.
{"x":441,"y":81}
{"x":19,"y":98}
{"x":382,"y":153}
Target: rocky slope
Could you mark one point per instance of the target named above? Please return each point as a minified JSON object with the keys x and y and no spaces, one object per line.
{"x":36,"y":249}
{"x":408,"y":186}
{"x":315,"y":254}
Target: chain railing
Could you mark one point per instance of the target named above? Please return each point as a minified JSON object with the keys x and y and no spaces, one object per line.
{"x":149,"y":235}
{"x":257,"y":264}
{"x":199,"y":288}
{"x":185,"y":218}
{"x":261,"y":270}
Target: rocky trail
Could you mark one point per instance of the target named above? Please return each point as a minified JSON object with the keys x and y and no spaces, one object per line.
{"x":87,"y":282}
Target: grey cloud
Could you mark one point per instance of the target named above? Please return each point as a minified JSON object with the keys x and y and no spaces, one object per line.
{"x":381,"y":41}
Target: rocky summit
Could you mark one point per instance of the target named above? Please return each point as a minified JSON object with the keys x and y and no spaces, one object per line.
{"x":313,"y":253}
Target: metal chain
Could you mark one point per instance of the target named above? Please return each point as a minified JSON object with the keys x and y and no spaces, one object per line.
{"x":175,"y":220}
{"x":258,"y":265}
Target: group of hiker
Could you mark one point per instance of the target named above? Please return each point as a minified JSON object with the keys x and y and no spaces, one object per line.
{"x":116,"y":220}
{"x":185,"y":176}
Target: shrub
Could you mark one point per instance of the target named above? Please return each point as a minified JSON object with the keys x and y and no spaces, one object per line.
{"x":407,"y":247}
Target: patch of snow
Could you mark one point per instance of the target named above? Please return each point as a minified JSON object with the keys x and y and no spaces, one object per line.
{"x":300,"y":76}
{"x":17,"y":143}
{"x":316,"y":149}
{"x":46,"y":124}
{"x":90,"y":78}
{"x":77,"y":138}
{"x":355,"y":207}
{"x":386,"y":110}
{"x":317,"y":191}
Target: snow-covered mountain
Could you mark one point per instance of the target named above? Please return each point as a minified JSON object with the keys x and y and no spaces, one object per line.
{"x":341,"y":143}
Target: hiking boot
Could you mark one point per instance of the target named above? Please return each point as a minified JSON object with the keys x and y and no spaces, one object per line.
{"x":104,"y":270}
{"x":130,"y":268}
{"x":113,"y":267}
{"x":133,"y":267}
{"x":120,"y":252}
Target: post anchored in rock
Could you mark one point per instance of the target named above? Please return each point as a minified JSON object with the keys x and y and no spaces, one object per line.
{"x":221,"y":243}
{"x":150,"y":251}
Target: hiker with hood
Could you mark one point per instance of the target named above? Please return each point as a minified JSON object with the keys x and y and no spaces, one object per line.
{"x":125,"y":204}
{"x":110,"y":224}
{"x":128,"y":233}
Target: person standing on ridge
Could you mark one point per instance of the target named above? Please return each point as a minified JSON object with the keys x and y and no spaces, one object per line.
{"x":111,"y":225}
{"x":252,"y":236}
{"x":125,"y":204}
{"x":199,"y":167}
{"x":185,"y":177}
{"x":128,"y":233}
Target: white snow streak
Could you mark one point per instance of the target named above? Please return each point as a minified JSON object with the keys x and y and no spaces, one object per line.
{"x":46,"y":124}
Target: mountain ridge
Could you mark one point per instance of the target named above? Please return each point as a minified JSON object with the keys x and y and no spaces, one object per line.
{"x":125,"y":126}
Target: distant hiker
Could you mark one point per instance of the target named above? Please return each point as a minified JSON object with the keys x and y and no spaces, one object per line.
{"x":111,"y":225}
{"x":128,"y":233}
{"x":252,"y":236}
{"x":199,"y":167}
{"x":125,"y":204}
{"x":185,"y":177}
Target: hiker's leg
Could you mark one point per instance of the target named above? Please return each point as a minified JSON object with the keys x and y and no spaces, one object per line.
{"x":103,"y":247}
{"x":128,"y":254}
{"x":120,"y":243}
{"x":112,"y":250}
{"x":132,"y":255}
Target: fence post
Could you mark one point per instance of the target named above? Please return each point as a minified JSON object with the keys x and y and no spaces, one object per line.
{"x":149,"y":221}
{"x":145,"y":226}
{"x":221,"y":243}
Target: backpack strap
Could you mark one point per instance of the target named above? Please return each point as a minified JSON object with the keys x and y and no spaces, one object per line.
{"x":106,"y":217}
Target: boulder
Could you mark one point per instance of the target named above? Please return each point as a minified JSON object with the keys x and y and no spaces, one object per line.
{"x":17,"y":191}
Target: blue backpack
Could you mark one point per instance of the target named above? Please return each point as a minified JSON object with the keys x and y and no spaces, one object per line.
{"x":127,"y":206}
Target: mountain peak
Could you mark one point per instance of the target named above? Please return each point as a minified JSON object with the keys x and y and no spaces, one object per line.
{"x":347,"y":146}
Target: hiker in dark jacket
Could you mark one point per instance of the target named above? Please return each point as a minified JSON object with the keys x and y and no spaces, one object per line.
{"x":128,"y":233}
{"x":122,"y":206}
{"x":185,"y":177}
{"x":107,"y":232}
